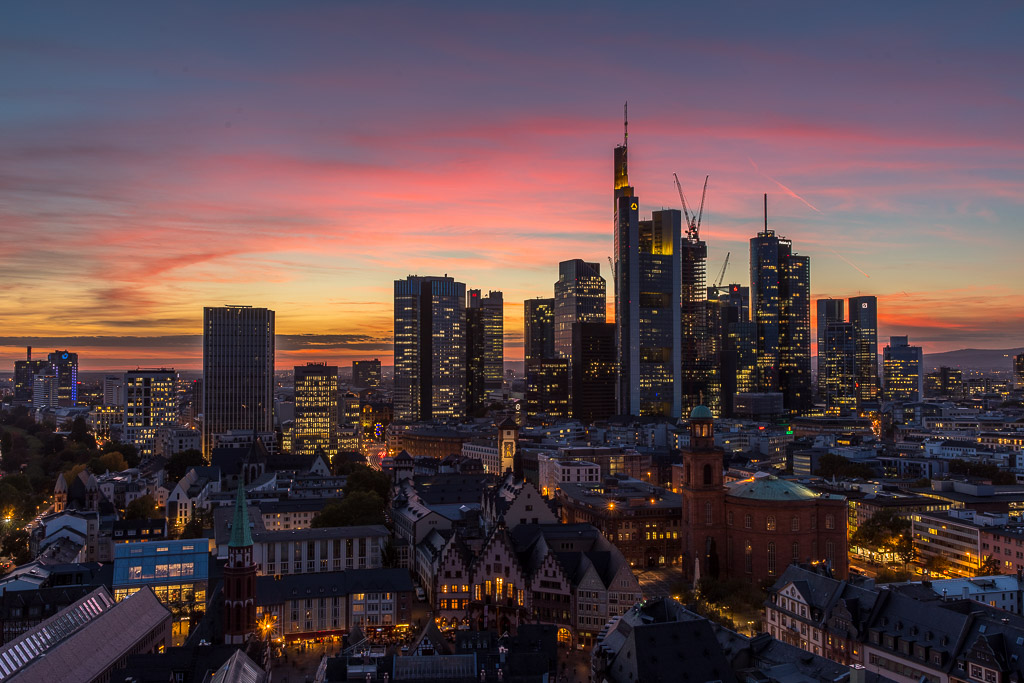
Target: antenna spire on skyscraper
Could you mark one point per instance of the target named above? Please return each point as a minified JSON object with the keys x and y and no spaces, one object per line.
{"x":625,"y":123}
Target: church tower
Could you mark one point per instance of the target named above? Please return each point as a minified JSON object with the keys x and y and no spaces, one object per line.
{"x":239,"y":577}
{"x":508,"y":446}
{"x":703,"y":499}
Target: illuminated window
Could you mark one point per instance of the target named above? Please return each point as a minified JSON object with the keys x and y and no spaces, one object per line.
{"x":770,"y":523}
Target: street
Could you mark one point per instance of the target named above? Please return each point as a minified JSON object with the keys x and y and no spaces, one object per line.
{"x":660,"y":583}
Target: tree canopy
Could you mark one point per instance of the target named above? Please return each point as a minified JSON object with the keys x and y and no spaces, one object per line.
{"x":886,"y":532}
{"x":833,"y":465}
{"x":144,"y":507}
{"x":358,"y":507}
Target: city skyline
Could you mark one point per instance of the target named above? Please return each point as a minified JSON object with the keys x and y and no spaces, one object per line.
{"x":276,"y":158}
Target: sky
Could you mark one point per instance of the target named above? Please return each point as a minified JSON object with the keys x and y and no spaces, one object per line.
{"x":156,"y":158}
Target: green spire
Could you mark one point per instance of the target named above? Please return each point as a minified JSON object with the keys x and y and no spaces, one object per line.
{"x":240,"y":536}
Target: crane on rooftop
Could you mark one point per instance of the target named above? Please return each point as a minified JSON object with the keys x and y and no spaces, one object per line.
{"x":692,"y":221}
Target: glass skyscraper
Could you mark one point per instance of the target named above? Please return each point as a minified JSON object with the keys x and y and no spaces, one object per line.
{"x":238,"y":371}
{"x":864,"y":317}
{"x":903,"y":370}
{"x":430,"y":349}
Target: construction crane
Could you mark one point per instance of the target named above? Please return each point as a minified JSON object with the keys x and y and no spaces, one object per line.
{"x":692,"y":222}
{"x":611,"y":265}
{"x":721,"y":276}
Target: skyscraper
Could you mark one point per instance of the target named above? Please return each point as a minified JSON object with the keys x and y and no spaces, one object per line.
{"x":316,"y":410}
{"x":695,"y":350}
{"x":150,"y":402}
{"x":430,"y":349}
{"x":65,"y":366}
{"x":238,"y":371}
{"x":366,"y":374}
{"x":864,"y":316}
{"x":24,"y":375}
{"x":828,"y":311}
{"x":547,"y":387}
{"x":648,"y":302}
{"x":593,"y":371}
{"x":492,"y":318}
{"x":837,"y":365}
{"x":538,"y":329}
{"x":903,"y":370}
{"x":732,"y":345}
{"x":580,"y":297}
{"x":1018,"y":371}
{"x":780,"y":307}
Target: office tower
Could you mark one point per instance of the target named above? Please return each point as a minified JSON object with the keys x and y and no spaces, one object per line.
{"x":45,"y":390}
{"x":492,"y":320}
{"x":780,"y":307}
{"x":732,"y":345}
{"x":366,"y":374}
{"x":1018,"y":371}
{"x":430,"y":349}
{"x":65,"y":366}
{"x":837,"y":363}
{"x":828,"y":311}
{"x":113,"y":390}
{"x":594,"y":372}
{"x":538,"y":329}
{"x":696,"y":370}
{"x":316,"y":410}
{"x":648,"y":302}
{"x":238,"y":371}
{"x":944,"y":383}
{"x":580,"y":297}
{"x":25,"y":372}
{"x":903,"y":370}
{"x":476,"y":388}
{"x":150,"y":402}
{"x":547,"y":387}
{"x":864,"y":316}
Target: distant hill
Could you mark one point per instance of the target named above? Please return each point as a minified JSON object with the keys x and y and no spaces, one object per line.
{"x":973,"y":359}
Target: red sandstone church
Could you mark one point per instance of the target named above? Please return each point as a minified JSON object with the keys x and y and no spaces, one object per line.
{"x":752,"y":529}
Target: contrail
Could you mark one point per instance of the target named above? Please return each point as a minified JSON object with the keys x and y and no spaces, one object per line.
{"x":848,"y":262}
{"x":784,"y":188}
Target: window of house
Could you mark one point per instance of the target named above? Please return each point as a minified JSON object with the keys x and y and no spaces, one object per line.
{"x":770,"y":523}
{"x":748,"y":522}
{"x":771,"y":559}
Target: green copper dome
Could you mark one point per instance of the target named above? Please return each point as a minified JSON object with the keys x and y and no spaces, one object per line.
{"x":701,"y":413}
{"x":770,"y":488}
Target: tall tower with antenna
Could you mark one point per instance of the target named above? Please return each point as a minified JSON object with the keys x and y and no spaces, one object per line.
{"x":696,"y":354}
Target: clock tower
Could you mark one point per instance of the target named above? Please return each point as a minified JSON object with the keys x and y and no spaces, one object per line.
{"x":508,"y":446}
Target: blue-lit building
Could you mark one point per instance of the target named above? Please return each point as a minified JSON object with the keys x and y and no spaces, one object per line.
{"x":177,"y":571}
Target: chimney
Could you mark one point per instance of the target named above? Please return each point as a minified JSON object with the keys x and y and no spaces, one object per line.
{"x":857,"y":673}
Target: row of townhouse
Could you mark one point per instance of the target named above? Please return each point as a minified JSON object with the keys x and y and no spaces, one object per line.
{"x":908,"y":633}
{"x":567,"y":575}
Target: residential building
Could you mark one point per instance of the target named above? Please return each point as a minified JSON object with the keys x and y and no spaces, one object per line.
{"x":238,"y":371}
{"x":430,"y":349}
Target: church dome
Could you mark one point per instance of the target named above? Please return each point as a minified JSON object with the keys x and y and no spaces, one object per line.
{"x":770,"y":488}
{"x":701,"y":413}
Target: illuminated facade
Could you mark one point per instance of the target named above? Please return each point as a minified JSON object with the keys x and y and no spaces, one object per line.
{"x":366,"y":373}
{"x":316,"y":410}
{"x":430,"y":349}
{"x":780,"y":307}
{"x":539,"y":329}
{"x":150,"y":403}
{"x":485,"y":361}
{"x":695,"y":351}
{"x":903,"y":370}
{"x":238,"y":371}
{"x":864,"y":318}
{"x":24,"y":376}
{"x":1018,"y":371}
{"x":547,"y":387}
{"x":580,"y":297}
{"x":648,"y":308}
{"x":731,"y":346}
{"x":827,"y":311}
{"x":65,"y":366}
{"x":837,"y":367}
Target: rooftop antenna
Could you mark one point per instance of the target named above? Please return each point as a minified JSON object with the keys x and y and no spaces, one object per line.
{"x":625,"y":123}
{"x":766,"y":212}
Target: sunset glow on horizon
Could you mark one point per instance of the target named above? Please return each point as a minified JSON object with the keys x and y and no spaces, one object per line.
{"x":302,"y":157}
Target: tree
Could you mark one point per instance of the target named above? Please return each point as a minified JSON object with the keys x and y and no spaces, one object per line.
{"x":80,"y":433}
{"x":886,"y":533}
{"x":144,"y":507}
{"x":129,"y":451}
{"x":180,"y":463}
{"x":936,"y":564}
{"x":15,"y":544}
{"x":990,"y":566}
{"x":358,"y":507}
{"x":363,"y":478}
{"x":108,"y":462}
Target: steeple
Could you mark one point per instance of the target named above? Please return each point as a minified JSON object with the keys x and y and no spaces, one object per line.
{"x":240,"y":536}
